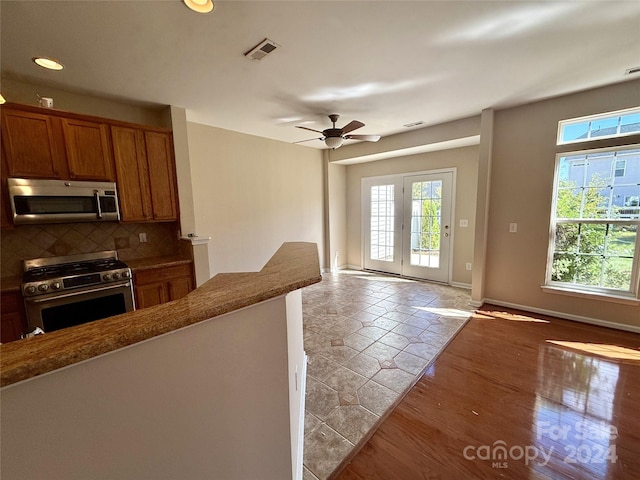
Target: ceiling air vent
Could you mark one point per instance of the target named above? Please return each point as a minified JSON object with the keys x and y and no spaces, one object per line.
{"x":414,"y":124}
{"x":261,"y":50}
{"x":633,"y":70}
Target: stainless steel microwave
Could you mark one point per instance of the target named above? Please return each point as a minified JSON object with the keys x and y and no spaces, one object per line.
{"x":62,"y":201}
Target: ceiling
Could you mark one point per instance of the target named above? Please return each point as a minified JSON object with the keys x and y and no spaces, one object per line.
{"x":385,"y":63}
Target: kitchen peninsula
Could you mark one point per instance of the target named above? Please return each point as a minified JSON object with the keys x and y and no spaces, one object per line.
{"x":210,"y":385}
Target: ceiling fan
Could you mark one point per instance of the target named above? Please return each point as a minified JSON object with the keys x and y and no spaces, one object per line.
{"x":333,"y":137}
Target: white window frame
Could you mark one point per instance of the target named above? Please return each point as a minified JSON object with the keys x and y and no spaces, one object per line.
{"x":551,"y":286}
{"x":591,"y":118}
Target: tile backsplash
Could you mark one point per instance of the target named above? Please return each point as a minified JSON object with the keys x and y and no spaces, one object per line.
{"x":36,"y":241}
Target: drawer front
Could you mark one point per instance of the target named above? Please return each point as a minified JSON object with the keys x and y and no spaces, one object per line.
{"x":153,"y":275}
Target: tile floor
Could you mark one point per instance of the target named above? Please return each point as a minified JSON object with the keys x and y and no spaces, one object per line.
{"x":368,"y":338}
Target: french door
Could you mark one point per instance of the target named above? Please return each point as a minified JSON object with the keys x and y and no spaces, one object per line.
{"x":407,"y":224}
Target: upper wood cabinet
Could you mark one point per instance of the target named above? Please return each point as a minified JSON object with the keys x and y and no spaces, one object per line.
{"x":130,"y":156}
{"x":88,"y":152}
{"x":162,"y":177}
{"x":146,"y":174}
{"x":29,"y":144}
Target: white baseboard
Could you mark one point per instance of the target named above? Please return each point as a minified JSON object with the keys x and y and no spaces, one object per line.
{"x":564,"y":316}
{"x":466,"y":286}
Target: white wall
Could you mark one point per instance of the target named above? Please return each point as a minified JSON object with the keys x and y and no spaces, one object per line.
{"x":212,"y":400}
{"x":337,"y":207}
{"x":251,"y":194}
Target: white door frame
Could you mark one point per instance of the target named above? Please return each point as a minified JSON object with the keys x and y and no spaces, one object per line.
{"x":396,"y":179}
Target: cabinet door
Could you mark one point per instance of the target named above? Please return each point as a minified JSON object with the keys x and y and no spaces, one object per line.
{"x":132,"y":174}
{"x":13,"y":321}
{"x":179,"y":287}
{"x":88,"y":153}
{"x":162,"y":178}
{"x":29,"y":144}
{"x":150,"y":295}
{"x":5,"y":208}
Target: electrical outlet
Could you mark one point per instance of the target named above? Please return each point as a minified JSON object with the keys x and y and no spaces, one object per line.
{"x":464,"y":222}
{"x":143,"y":237}
{"x":468,"y":265}
{"x":513,"y":228}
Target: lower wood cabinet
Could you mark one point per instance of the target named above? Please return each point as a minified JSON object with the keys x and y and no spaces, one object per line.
{"x":13,"y":321}
{"x":154,"y":286}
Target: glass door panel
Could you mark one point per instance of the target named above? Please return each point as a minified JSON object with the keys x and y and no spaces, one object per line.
{"x":382,"y":213}
{"x":427,"y":226}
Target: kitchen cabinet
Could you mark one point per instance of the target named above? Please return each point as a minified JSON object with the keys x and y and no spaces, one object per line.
{"x":158,"y":285}
{"x":162,"y":177}
{"x":13,"y":321}
{"x":5,"y":208}
{"x":146,"y":174}
{"x":30,"y":144}
{"x":42,"y":145}
{"x":129,"y":152}
{"x":88,"y":150}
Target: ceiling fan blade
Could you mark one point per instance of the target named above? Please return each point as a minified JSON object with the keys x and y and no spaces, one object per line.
{"x":307,"y":128}
{"x":309,"y":139}
{"x":366,"y":138}
{"x":351,"y":126}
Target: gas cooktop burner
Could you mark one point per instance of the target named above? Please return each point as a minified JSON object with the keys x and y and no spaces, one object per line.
{"x":47,"y":275}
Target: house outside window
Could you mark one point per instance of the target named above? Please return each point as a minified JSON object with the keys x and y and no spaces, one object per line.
{"x":595,"y":220}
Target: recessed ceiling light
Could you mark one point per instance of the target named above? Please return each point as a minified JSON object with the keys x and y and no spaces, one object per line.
{"x":46,"y":62}
{"x":200,"y":6}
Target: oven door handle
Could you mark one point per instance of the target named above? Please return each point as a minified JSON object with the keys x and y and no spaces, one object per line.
{"x":73,"y":294}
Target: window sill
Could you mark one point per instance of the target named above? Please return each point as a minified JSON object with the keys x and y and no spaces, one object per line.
{"x":622,"y":299}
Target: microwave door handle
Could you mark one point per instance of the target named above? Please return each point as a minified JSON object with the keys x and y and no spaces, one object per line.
{"x":96,"y":193}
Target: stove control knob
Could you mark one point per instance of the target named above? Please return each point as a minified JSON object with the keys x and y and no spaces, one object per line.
{"x":43,"y":288}
{"x":55,"y":286}
{"x":106,"y":277}
{"x":30,"y":289}
{"x":116,"y":276}
{"x":125,"y":274}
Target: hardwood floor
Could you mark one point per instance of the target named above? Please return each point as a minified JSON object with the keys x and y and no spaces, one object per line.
{"x":508,"y":399}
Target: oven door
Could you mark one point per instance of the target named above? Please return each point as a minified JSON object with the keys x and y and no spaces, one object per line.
{"x":65,"y":309}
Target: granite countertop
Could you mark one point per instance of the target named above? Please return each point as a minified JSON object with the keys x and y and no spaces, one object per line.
{"x":293,"y":266}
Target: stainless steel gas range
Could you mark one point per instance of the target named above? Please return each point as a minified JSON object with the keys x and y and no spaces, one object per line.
{"x":61,"y":292}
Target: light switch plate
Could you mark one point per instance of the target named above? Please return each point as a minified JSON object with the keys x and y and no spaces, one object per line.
{"x":513,"y":228}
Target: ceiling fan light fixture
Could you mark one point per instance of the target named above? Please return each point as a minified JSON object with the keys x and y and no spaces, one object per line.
{"x":200,"y":6}
{"x":48,"y":63}
{"x":333,"y":142}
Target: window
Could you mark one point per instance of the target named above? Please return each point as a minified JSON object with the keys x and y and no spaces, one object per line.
{"x":596,"y":127}
{"x":594,"y":245}
{"x":595,"y":220}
